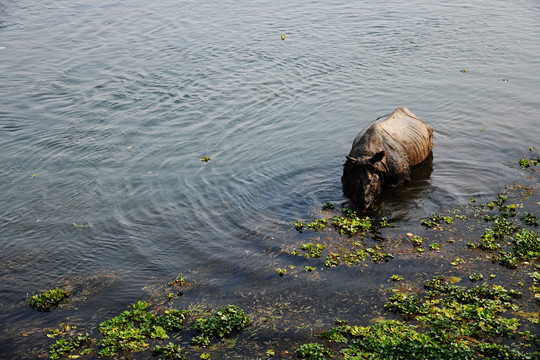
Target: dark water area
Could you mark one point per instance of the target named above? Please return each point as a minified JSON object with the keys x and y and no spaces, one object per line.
{"x":106,"y":109}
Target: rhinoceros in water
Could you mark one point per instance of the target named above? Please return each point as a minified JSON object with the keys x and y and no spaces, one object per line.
{"x":383,"y":155}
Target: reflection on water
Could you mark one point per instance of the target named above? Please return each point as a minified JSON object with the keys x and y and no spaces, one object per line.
{"x":402,"y":202}
{"x":107,"y":108}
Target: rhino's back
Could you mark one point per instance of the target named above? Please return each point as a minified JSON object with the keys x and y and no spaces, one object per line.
{"x":404,"y":132}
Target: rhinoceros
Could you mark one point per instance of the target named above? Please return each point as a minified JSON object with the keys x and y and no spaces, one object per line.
{"x":383,"y":155}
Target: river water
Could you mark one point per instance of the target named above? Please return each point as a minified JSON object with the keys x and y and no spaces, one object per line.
{"x":106,"y":109}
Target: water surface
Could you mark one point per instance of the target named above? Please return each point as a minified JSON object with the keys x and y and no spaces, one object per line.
{"x":107,"y":108}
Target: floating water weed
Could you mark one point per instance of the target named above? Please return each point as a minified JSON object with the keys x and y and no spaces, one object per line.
{"x":524,"y":163}
{"x":270,"y":353}
{"x":169,"y":351}
{"x":313,"y":250}
{"x":416,"y":240}
{"x":67,"y":346}
{"x":350,"y":222}
{"x":476,"y":277}
{"x":131,"y":330}
{"x":179,"y":281}
{"x":393,"y":339}
{"x":332,"y":260}
{"x":450,"y":315}
{"x":313,"y":351}
{"x":435,"y":220}
{"x":227,"y":320}
{"x":377,"y":254}
{"x":328,"y":206}
{"x":48,"y":299}
{"x":458,"y":261}
{"x":530,"y":219}
{"x":317,"y":225}
{"x":525,"y":243}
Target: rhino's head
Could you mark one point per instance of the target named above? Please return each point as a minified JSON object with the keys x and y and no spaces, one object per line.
{"x":362,"y":181}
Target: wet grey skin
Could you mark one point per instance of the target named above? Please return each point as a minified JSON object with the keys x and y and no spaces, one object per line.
{"x":383,"y":154}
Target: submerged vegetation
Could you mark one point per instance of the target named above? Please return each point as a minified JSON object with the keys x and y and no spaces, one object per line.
{"x":472,"y":308}
{"x":507,"y":240}
{"x":443,"y":322}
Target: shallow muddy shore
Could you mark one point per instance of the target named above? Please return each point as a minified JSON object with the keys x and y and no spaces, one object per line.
{"x":298,"y":299}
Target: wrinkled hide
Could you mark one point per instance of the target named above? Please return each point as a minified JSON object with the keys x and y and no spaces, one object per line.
{"x":383,"y":155}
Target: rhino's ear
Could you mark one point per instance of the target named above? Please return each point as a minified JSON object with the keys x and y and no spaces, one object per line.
{"x":353,"y":160}
{"x":377,"y":157}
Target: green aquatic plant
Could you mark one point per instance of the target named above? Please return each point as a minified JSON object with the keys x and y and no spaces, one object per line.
{"x":535,"y":288}
{"x":82,"y":226}
{"x":227,"y":320}
{"x":172,"y":319}
{"x":383,"y":223}
{"x":299,"y":225}
{"x":396,"y":277}
{"x":488,"y":241}
{"x":377,"y":255}
{"x":449,"y":315}
{"x":131,"y":330}
{"x":169,"y":351}
{"x":393,"y":339}
{"x":335,"y":335}
{"x":313,"y":351}
{"x":507,"y":259}
{"x":526,"y":245}
{"x":332,"y":260}
{"x":524,"y":163}
{"x":501,"y":199}
{"x":356,"y":257}
{"x":48,"y":299}
{"x":435,"y":220}
{"x":530,"y":219}
{"x":328,"y":206}
{"x":69,"y":345}
{"x":317,"y":225}
{"x":351,"y":223}
{"x":270,"y":353}
{"x":476,"y":277}
{"x":178,"y":281}
{"x":206,"y":159}
{"x":416,"y":240}
{"x":128,"y":331}
{"x":313,"y":250}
